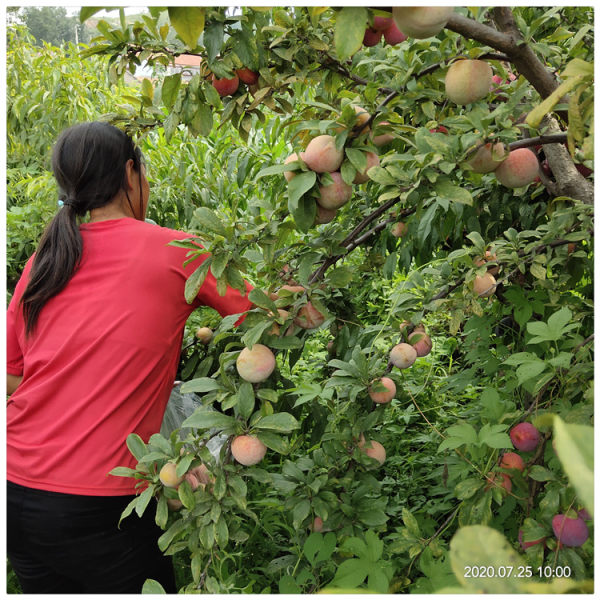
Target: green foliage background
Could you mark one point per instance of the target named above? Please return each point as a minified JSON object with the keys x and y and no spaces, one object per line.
{"x":526,"y":354}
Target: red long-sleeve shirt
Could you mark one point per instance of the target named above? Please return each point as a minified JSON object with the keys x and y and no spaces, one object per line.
{"x":102,"y":359}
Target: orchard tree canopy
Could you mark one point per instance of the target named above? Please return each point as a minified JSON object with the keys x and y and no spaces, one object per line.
{"x":408,"y":407}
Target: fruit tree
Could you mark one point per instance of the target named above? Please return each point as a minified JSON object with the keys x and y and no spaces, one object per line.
{"x":409,"y":401}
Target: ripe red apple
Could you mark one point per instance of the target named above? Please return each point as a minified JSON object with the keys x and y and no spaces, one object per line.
{"x":421,"y":342}
{"x":468,"y":81}
{"x":570,"y":532}
{"x":421,"y":22}
{"x":518,"y":169}
{"x":248,"y":450}
{"x":255,"y":364}
{"x":392,"y":35}
{"x":381,"y":23}
{"x":382,"y":390}
{"x":484,"y":285}
{"x":321,"y":155}
{"x":309,"y":317}
{"x":399,"y":229}
{"x":487,"y":158}
{"x":373,"y":449}
{"x":226,"y":87}
{"x":335,"y":194}
{"x":316,"y":525}
{"x":403,"y":355}
{"x":248,"y":76}
{"x":511,"y":460}
{"x":204,"y":334}
{"x":525,"y":437}
{"x":371,"y":37}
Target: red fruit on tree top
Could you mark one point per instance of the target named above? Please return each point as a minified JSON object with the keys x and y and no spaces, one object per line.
{"x":511,"y":460}
{"x":371,"y":37}
{"x":525,"y":437}
{"x":570,"y":532}
{"x":381,"y":23}
{"x":393,"y":35}
{"x":248,"y":76}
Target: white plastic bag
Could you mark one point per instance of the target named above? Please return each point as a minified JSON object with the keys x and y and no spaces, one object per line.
{"x":179,"y":408}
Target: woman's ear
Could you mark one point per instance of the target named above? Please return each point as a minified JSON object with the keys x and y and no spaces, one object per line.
{"x":131,"y":175}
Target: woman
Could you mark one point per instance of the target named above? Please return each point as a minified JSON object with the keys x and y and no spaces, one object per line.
{"x":94,"y":334}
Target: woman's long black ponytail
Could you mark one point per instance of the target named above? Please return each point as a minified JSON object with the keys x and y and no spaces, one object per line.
{"x":88,"y":162}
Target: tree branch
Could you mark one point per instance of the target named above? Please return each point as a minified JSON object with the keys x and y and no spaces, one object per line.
{"x":509,"y":41}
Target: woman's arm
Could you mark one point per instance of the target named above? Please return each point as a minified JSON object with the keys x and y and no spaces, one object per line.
{"x":12,"y":383}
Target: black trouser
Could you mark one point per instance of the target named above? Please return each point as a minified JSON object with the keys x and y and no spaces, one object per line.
{"x":63,"y":543}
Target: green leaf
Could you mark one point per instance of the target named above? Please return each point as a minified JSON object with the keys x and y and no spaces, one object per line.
{"x":282,"y":422}
{"x":372,"y":517}
{"x":151,"y":586}
{"x":206,"y":419}
{"x":350,"y":26}
{"x":143,"y":500}
{"x":378,"y":580}
{"x":299,"y":185}
{"x":410,"y":522}
{"x":273,"y":441}
{"x":202,"y":123}
{"x":558,"y":321}
{"x":88,"y":11}
{"x":467,"y":488}
{"x":123,"y":472}
{"x":534,"y":118}
{"x":213,"y":39}
{"x":169,"y":89}
{"x":481,"y":546}
{"x":529,"y":370}
{"x":447,"y":190}
{"x":259,"y":298}
{"x":340,"y":277}
{"x":300,"y":512}
{"x":195,"y":280}
{"x":288,"y":585}
{"x":494,"y":436}
{"x":210,"y":220}
{"x":188,"y":22}
{"x":459,"y":435}
{"x":136,"y":446}
{"x":162,"y":512}
{"x":351,"y":573}
{"x":246,"y":400}
{"x":575,"y":449}
{"x":200,"y":385}
{"x":375,"y":545}
{"x":357,"y":158}
{"x":312,"y":545}
{"x":539,"y":473}
{"x":186,"y":495}
{"x":219,"y":262}
{"x":302,"y":206}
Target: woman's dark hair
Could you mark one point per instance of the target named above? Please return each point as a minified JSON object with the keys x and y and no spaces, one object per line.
{"x":88,"y":162}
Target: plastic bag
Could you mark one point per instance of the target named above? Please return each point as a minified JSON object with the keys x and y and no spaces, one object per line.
{"x":179,"y":408}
